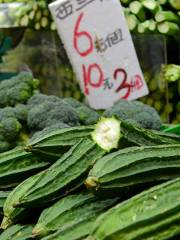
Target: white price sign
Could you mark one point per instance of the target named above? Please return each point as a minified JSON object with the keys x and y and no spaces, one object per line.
{"x":100,"y":48}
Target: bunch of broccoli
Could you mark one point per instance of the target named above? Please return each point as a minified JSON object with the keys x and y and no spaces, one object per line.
{"x":13,"y":113}
{"x":51,"y":112}
{"x":135,"y":112}
{"x":17,"y":89}
{"x":86,"y":115}
{"x":24,"y":108}
{"x":11,"y":125}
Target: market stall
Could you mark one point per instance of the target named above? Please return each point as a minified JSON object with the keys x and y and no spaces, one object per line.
{"x":86,"y":155}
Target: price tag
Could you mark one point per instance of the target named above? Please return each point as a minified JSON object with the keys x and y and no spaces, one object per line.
{"x":100,"y":48}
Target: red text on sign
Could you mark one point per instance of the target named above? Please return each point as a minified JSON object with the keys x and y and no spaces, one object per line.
{"x":87,"y":74}
{"x":78,"y":34}
{"x":124,"y":84}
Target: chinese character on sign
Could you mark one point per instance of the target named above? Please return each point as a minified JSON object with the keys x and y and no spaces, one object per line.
{"x":100,"y":44}
{"x":100,"y":48}
{"x":111,"y":40}
{"x":115,"y":38}
{"x":64,"y":10}
{"x":83,"y":3}
{"x":137,"y":82}
{"x":107,"y":84}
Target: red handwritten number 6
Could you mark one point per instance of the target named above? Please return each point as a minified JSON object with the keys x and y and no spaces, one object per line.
{"x":78,"y":34}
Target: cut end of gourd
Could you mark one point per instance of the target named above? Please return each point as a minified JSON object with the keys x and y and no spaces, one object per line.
{"x":39,"y":232}
{"x":107,"y":133}
{"x":91,"y":183}
{"x":28,"y":148}
{"x":6,"y":223}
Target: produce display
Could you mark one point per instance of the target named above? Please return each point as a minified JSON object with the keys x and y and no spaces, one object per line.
{"x":69,"y":172}
{"x":153,"y":16}
{"x":145,"y":17}
{"x":142,"y":16}
{"x":74,"y":173}
{"x":146,"y":216}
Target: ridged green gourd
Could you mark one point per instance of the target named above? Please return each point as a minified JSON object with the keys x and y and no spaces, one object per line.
{"x":13,"y":215}
{"x":145,"y":137}
{"x":17,"y":232}
{"x":3,"y":196}
{"x":110,"y":132}
{"x":17,"y":165}
{"x":133,"y":167}
{"x":77,"y":232}
{"x":57,"y":142}
{"x":64,"y":176}
{"x":152,"y":215}
{"x":70,"y":213}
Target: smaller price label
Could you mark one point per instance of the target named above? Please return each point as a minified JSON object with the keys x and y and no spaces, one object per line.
{"x":100,"y":48}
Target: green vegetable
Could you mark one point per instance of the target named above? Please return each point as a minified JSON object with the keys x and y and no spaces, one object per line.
{"x":13,"y":215}
{"x":175,"y":4}
{"x":168,"y":28}
{"x":16,"y":165}
{"x":10,"y":128}
{"x":171,"y":72}
{"x":45,"y":111}
{"x":141,"y":113}
{"x":153,"y":214}
{"x":77,"y":232}
{"x":107,"y":133}
{"x":3,"y":196}
{"x":143,"y":27}
{"x":57,"y":142}
{"x":132,"y":167}
{"x":18,"y":89}
{"x":167,"y":16}
{"x":73,"y":102}
{"x":48,"y":130}
{"x":151,"y":5}
{"x":137,"y":8}
{"x":21,"y":113}
{"x":53,"y":183}
{"x":86,"y":115}
{"x":69,"y":213}
{"x":132,"y":22}
{"x":17,"y":232}
{"x":111,"y":133}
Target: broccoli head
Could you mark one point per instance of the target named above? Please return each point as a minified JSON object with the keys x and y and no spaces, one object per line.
{"x":39,"y":98}
{"x":73,"y":102}
{"x":18,"y":89}
{"x":21,"y":112}
{"x":143,"y":114}
{"x":50,"y":111}
{"x":87,"y":116}
{"x":9,"y":125}
{"x":4,"y":145}
{"x":10,"y":128}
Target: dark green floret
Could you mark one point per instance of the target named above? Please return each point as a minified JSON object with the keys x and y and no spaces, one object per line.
{"x":141,"y":113}
{"x":45,"y":111}
{"x":18,"y":89}
{"x":87,"y":116}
